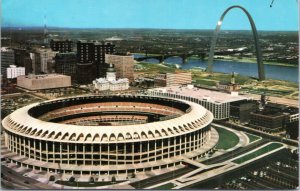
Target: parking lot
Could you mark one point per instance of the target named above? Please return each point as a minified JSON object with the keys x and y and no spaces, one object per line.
{"x":279,"y":174}
{"x":278,"y":171}
{"x":10,"y":103}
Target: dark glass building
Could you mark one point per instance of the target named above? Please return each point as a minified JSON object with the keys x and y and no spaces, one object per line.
{"x":276,"y":117}
{"x":94,"y":52}
{"x":240,"y":111}
{"x":85,"y":73}
{"x":267,"y":120}
{"x":61,"y":45}
{"x":65,"y":63}
{"x":100,"y":50}
{"x":85,"y":51}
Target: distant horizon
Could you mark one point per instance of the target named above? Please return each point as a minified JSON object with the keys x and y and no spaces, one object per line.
{"x":153,"y":14}
{"x":54,"y":27}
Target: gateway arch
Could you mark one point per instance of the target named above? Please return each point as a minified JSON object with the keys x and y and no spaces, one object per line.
{"x":261,"y":72}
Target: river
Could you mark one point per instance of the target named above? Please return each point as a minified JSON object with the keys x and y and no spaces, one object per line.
{"x":244,"y":68}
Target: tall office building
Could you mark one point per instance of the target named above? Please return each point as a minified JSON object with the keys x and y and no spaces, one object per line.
{"x":178,"y":78}
{"x":20,"y":55}
{"x":124,"y":65}
{"x":85,"y":73}
{"x":46,"y":56}
{"x":35,"y":63}
{"x":85,"y":51}
{"x":7,"y":59}
{"x":61,"y":46}
{"x":22,"y":59}
{"x":85,"y":68}
{"x":94,"y":52}
{"x":100,"y":50}
{"x":65,"y":63}
{"x":173,"y":79}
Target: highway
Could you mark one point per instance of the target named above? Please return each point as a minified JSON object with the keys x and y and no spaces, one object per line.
{"x":237,"y":152}
{"x":225,"y":179}
{"x":259,"y":133}
{"x":161,"y":178}
{"x":21,"y":182}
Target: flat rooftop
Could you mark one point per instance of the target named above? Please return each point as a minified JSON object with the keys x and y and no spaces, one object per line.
{"x":204,"y":94}
{"x":60,"y":40}
{"x":238,"y":103}
{"x":269,"y":113}
{"x":43,"y":76}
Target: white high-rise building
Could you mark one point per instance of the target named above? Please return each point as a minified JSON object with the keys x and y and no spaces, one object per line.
{"x":7,"y":59}
{"x":13,"y":71}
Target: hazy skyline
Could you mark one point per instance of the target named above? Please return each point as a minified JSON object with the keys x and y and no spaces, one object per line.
{"x":166,"y":14}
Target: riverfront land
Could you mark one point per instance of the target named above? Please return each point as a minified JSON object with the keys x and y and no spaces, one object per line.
{"x":235,"y":59}
{"x":269,"y":87}
{"x":254,"y":61}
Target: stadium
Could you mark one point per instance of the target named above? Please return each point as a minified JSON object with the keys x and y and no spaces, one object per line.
{"x":108,"y":135}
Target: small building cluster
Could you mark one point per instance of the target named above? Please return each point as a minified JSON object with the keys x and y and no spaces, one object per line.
{"x":110,"y":82}
{"x":269,"y":117}
{"x":229,"y":86}
{"x":84,"y":65}
{"x":276,"y":118}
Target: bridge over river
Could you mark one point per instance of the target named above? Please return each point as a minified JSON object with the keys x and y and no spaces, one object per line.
{"x":162,"y":57}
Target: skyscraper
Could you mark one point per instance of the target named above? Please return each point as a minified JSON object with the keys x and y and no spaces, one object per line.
{"x":85,"y":73}
{"x":100,"y":50}
{"x":46,"y":55}
{"x":85,"y":51}
{"x":61,"y":46}
{"x":7,"y":59}
{"x":65,"y":63}
{"x":94,"y":52}
{"x":22,"y":59}
{"x":124,"y":65}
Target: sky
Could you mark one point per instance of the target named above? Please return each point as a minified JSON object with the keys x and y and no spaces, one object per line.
{"x":162,"y":14}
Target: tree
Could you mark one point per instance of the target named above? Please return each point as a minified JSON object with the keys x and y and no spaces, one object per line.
{"x":92,"y":180}
{"x":72,"y":179}
{"x":133,"y":175}
{"x":52,"y":178}
{"x":113,"y":179}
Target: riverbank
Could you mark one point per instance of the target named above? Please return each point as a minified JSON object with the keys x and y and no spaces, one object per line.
{"x":247,"y":60}
{"x":253,"y":61}
{"x":269,"y":87}
{"x":235,"y":59}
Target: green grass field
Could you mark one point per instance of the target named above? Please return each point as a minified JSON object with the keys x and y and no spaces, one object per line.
{"x":252,"y":137}
{"x":259,"y":152}
{"x":227,"y":139}
{"x":201,"y":78}
{"x":151,"y":68}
